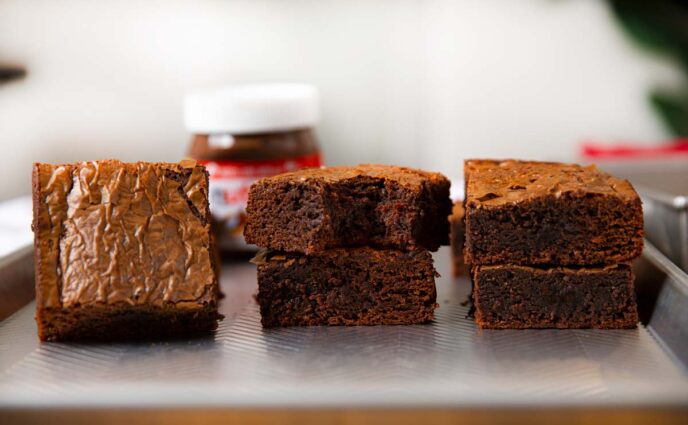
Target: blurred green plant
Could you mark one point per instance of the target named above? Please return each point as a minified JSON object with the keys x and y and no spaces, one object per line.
{"x":661,"y":26}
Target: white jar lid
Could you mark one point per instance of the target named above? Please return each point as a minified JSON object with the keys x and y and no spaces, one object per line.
{"x":251,"y":108}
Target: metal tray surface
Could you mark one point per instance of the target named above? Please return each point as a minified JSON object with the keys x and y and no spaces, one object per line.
{"x":666,"y":223}
{"x":447,"y":363}
{"x":663,"y":186}
{"x":662,"y":290}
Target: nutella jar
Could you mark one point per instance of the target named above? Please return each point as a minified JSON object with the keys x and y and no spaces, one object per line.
{"x":243,"y":133}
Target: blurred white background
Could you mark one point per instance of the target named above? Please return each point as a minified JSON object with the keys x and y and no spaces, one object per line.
{"x":420,"y":83}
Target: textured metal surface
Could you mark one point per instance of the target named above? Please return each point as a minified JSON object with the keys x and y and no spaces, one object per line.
{"x":449,"y":362}
{"x":663,"y":186}
{"x":666,"y":224}
{"x":669,"y":319}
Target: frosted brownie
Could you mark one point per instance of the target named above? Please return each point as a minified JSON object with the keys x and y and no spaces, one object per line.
{"x":522,"y":212}
{"x":514,"y":297}
{"x":352,"y":286}
{"x":122,"y":251}
{"x":382,"y":206}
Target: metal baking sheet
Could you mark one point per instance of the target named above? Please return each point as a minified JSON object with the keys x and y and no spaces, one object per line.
{"x":447,"y":363}
{"x":666,"y":223}
{"x":663,"y":186}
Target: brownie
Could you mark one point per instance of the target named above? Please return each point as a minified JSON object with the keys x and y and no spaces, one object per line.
{"x":456,"y":238}
{"x":381,"y":206}
{"x":524,"y":212}
{"x":346,"y":286}
{"x":509,"y":296}
{"x":123,"y":251}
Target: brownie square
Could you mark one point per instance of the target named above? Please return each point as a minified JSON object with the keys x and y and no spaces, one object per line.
{"x":381,"y":206}
{"x":524,"y":212}
{"x":517,"y":297}
{"x":457,"y":239}
{"x":122,"y":251}
{"x":354,"y":286}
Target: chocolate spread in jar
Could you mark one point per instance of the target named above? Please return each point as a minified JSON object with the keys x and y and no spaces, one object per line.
{"x":244,"y":133}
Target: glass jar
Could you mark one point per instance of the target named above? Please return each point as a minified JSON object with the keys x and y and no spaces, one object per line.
{"x":243,"y":133}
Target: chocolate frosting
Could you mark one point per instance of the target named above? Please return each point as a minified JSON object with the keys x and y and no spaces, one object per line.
{"x":493,"y":183}
{"x":109,"y":232}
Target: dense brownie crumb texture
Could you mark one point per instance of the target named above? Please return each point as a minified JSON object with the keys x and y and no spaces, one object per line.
{"x":123,"y":251}
{"x":348,"y":245}
{"x":511,"y":296}
{"x":549,"y":245}
{"x":346,"y":286}
{"x":382,"y":206}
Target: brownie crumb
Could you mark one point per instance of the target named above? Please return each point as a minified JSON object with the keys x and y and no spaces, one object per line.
{"x":387,"y":207}
{"x":509,"y":296}
{"x":354,"y":286}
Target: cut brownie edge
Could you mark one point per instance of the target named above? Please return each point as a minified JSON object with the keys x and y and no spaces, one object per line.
{"x":569,"y":229}
{"x":357,"y":286}
{"x":519,"y":297}
{"x":309,"y":212}
{"x":124,"y":323}
{"x":277,"y":212}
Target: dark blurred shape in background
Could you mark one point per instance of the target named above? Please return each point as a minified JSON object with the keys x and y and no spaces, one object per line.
{"x":10,"y":72}
{"x":662,"y":27}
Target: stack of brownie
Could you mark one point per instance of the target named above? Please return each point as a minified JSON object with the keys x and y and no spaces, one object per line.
{"x":348,"y":245}
{"x":550,"y":244}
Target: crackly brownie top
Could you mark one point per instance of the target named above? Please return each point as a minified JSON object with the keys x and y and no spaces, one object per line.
{"x":110,"y":232}
{"x":494,"y":182}
{"x":409,"y":177}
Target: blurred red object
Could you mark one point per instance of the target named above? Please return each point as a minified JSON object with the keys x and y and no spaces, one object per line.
{"x":676,"y":148}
